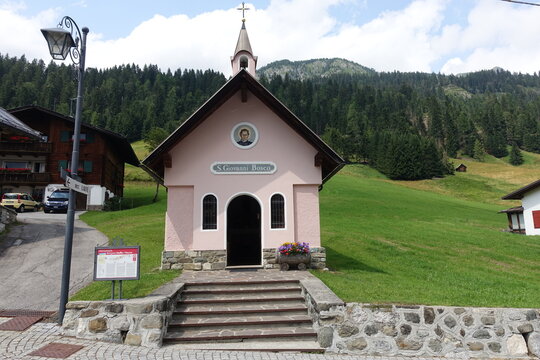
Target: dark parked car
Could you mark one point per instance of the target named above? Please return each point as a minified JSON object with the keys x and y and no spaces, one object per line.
{"x":58,"y":201}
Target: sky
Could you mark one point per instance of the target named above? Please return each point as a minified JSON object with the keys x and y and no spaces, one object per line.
{"x":441,"y":36}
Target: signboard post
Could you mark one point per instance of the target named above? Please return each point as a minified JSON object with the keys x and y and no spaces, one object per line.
{"x":118,"y":262}
{"x":77,"y":186}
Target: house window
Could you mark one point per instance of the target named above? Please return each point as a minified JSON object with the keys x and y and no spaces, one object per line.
{"x":209,"y":213}
{"x":15,"y":165}
{"x":536,"y":219}
{"x":84,"y":166}
{"x":277,"y":210}
{"x":66,"y":135}
{"x":517,"y":221}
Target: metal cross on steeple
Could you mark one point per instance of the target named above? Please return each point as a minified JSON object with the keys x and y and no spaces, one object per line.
{"x":243,"y":8}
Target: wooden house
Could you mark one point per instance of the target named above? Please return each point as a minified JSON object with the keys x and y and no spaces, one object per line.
{"x":525,"y":219}
{"x":102,"y":155}
{"x":461,"y":168}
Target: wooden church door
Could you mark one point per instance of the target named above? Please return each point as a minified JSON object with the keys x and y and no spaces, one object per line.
{"x":243,"y":231}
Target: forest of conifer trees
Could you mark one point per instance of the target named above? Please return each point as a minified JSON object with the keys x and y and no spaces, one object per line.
{"x":404,"y":124}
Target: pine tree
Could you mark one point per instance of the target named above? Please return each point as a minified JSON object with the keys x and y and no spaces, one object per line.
{"x":479,"y":153}
{"x":516,"y":158}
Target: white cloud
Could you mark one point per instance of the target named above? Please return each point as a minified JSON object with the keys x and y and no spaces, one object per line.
{"x":416,"y":38}
{"x":497,"y":34}
{"x":396,"y":40}
{"x":21,"y":35}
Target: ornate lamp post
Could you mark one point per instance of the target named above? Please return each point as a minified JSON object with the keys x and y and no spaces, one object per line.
{"x":64,"y":39}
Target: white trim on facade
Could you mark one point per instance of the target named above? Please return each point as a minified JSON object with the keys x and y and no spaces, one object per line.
{"x":226,"y":213}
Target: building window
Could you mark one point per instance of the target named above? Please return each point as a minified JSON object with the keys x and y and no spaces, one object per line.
{"x":16,"y":165}
{"x":536,"y":219}
{"x":209,"y":213}
{"x":277,"y":210}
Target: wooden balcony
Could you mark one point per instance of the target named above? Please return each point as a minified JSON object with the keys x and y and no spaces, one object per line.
{"x":25,"y":147}
{"x":27,"y":178}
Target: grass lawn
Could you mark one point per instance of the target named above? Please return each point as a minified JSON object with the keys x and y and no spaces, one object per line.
{"x":142,"y":225}
{"x":388,"y":243}
{"x":436,"y":242}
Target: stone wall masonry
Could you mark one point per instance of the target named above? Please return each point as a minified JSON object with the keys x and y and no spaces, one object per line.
{"x":363,"y":329}
{"x":7,"y":216}
{"x":217,"y":259}
{"x":139,"y":322}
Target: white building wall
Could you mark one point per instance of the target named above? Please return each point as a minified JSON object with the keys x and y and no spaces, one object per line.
{"x":531,"y":202}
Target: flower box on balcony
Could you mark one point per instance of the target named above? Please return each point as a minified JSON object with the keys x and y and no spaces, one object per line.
{"x":14,"y":170}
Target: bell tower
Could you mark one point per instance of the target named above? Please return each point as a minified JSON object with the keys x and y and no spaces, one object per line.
{"x":243,"y":57}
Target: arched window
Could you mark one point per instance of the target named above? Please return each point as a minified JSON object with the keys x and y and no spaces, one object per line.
{"x":277,"y":210}
{"x":209,"y":213}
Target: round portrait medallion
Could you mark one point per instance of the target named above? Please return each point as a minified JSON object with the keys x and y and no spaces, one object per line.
{"x":244,"y":135}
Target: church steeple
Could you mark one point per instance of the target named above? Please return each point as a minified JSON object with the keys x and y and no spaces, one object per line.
{"x":243,"y":57}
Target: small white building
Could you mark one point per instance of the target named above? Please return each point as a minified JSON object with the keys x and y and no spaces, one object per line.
{"x":526,"y":218}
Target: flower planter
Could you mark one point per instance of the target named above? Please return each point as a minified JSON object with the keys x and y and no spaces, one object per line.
{"x":301,"y":262}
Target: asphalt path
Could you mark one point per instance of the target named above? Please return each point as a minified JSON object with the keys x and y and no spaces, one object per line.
{"x":31,"y":258}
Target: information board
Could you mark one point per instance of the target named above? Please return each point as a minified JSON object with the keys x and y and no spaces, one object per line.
{"x":117,"y":263}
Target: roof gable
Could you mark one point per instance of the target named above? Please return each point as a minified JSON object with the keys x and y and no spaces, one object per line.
{"x":520,"y":193}
{"x":17,"y":126}
{"x":327,"y":158}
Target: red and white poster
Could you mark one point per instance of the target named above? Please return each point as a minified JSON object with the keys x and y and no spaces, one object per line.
{"x":117,"y":263}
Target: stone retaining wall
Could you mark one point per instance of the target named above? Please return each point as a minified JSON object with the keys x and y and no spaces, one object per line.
{"x":217,"y":259}
{"x":7,"y":216}
{"x":140,"y":322}
{"x":427,"y":330}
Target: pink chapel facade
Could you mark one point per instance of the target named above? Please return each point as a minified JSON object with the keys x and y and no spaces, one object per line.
{"x":243,"y":176}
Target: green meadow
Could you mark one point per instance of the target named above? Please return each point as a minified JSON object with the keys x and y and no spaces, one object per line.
{"x":437,"y":242}
{"x":389,"y":243}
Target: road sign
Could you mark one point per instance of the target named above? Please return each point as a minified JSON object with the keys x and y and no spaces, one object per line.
{"x":77,"y":186}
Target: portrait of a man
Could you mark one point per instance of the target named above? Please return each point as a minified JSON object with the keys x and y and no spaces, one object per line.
{"x":244,"y":135}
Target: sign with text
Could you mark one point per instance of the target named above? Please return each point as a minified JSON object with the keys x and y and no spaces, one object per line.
{"x":243,"y":168}
{"x":77,"y":186}
{"x":117,"y":263}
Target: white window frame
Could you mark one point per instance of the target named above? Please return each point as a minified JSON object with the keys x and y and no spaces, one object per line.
{"x":284,"y":212}
{"x":202,"y":212}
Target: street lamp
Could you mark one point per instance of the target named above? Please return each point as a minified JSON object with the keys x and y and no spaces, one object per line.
{"x":64,"y":39}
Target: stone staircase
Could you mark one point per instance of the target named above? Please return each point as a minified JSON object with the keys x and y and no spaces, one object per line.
{"x":247,"y":315}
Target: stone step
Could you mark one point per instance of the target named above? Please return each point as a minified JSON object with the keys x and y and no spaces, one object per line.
{"x":235,"y":294}
{"x":241,"y":321}
{"x":227,"y":310}
{"x":242,"y":300}
{"x":244,"y":335}
{"x":247,"y":283}
{"x":229,"y":291}
{"x":266,"y":346}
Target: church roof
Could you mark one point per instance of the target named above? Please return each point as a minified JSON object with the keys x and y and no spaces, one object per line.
{"x":243,"y":41}
{"x":328,"y":159}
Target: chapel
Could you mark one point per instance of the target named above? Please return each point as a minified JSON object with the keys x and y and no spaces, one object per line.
{"x":243,"y":176}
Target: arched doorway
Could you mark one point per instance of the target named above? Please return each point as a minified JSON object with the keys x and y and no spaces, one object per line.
{"x":243,"y":231}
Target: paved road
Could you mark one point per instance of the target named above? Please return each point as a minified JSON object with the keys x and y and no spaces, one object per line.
{"x":31,"y":260}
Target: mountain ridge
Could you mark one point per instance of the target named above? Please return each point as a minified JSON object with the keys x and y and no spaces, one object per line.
{"x":308,"y":69}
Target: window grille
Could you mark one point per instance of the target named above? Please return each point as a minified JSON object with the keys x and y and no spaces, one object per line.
{"x":277,"y":209}
{"x":209,"y":212}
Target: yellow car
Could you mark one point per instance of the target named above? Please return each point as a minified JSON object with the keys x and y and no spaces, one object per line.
{"x":20,"y":202}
